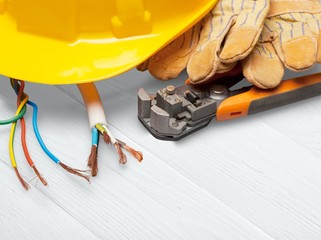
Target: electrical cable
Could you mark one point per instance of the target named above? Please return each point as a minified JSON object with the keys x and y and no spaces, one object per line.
{"x":11,"y":142}
{"x":76,"y":172}
{"x":93,"y":156}
{"x":35,"y":125}
{"x":95,"y":136}
{"x":97,"y":120}
{"x":31,"y":163}
{"x":15,"y":118}
{"x":47,"y":151}
{"x":37,"y":133}
{"x":12,"y":132}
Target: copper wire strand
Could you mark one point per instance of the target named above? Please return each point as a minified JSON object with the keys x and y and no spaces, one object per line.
{"x":136,"y":154}
{"x":119,"y":145}
{"x":121,"y":154}
{"x":23,"y":182}
{"x":102,"y":130}
{"x":64,"y":166}
{"x":74,"y":171}
{"x":92,"y":156}
{"x":41,"y":178}
{"x":23,"y":136}
{"x":106,"y":137}
{"x":94,"y":170}
{"x":93,"y":160}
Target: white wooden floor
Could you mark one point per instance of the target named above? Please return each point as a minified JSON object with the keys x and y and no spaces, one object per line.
{"x":252,"y":178}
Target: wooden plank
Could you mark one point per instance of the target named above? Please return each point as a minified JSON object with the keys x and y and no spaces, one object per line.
{"x":32,"y":215}
{"x":265,"y":167}
{"x":137,"y":201}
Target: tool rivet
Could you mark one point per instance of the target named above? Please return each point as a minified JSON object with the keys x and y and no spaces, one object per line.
{"x":168,"y":99}
{"x":175,"y":124}
{"x":218,"y":89}
{"x":170,"y":90}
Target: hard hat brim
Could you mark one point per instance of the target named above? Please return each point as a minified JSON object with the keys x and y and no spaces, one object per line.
{"x":47,"y":60}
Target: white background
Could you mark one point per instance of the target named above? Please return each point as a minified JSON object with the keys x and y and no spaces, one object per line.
{"x":253,"y":178}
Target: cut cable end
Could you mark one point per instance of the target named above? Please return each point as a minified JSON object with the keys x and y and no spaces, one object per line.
{"x":137,"y":154}
{"x":22,"y":181}
{"x":41,"y":178}
{"x":75,"y":171}
{"x":106,"y":138}
{"x":93,"y":161}
{"x":121,"y":154}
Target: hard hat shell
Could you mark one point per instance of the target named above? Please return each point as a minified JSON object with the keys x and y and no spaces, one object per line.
{"x":77,"y":41}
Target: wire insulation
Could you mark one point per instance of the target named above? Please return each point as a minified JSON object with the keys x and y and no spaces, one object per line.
{"x":20,"y":95}
{"x":38,"y":136}
{"x":95,"y":136}
{"x":12,"y":132}
{"x":15,"y":118}
{"x":95,"y":109}
{"x":77,"y":172}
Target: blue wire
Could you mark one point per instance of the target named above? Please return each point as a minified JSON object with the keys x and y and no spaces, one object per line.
{"x":95,"y":136}
{"x":35,"y":129}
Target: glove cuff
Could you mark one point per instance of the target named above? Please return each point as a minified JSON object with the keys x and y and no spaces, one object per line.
{"x":278,"y":7}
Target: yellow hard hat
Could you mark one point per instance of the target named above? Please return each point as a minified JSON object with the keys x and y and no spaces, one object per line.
{"x":77,"y":41}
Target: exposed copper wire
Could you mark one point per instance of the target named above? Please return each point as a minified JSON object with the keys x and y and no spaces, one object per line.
{"x":74,"y":171}
{"x":93,"y":160}
{"x":119,"y":145}
{"x":106,"y":137}
{"x":137,"y":154}
{"x":121,"y":154}
{"x":23,"y":182}
{"x":92,"y":156}
{"x":41,"y":178}
{"x":94,"y":169}
{"x":23,"y":135}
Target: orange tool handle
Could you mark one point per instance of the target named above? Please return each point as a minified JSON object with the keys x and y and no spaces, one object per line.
{"x":258,"y":100}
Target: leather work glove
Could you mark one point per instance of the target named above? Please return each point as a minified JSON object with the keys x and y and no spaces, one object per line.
{"x":290,"y":38}
{"x":224,"y":36}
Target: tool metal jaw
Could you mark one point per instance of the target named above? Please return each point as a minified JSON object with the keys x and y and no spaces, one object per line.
{"x":174,"y":113}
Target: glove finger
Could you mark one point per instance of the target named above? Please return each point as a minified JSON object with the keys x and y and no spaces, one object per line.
{"x":296,"y":45}
{"x":224,"y":77}
{"x":243,"y":36}
{"x":314,"y":23}
{"x":169,"y":62}
{"x":222,"y":71}
{"x":262,"y":67}
{"x":204,"y":60}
